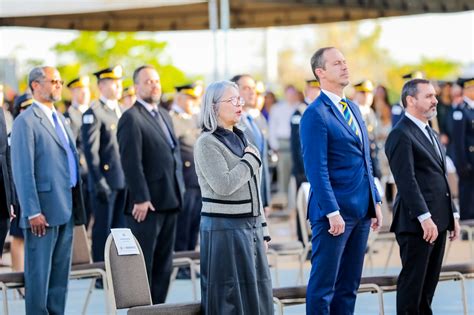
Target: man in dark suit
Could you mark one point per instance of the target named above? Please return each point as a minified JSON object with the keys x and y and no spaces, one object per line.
{"x":80,"y":98}
{"x":106,"y":180}
{"x":46,"y":174}
{"x":6,"y":189}
{"x":343,"y":197}
{"x":423,"y":209}
{"x":152,"y":165}
{"x":463,"y":147}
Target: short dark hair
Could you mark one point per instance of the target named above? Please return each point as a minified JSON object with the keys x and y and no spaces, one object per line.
{"x":317,"y":60}
{"x":137,"y":72}
{"x":237,"y":77}
{"x":410,"y":88}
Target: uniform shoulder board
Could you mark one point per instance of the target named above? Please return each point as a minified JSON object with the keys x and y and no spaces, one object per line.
{"x":457,"y":115}
{"x":295,"y":119}
{"x":397,"y":109}
{"x":88,"y":119}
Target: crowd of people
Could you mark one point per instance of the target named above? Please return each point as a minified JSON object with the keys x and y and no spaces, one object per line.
{"x":201,"y":167}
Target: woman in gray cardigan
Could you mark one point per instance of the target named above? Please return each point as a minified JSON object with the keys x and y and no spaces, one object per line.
{"x":235,"y":277}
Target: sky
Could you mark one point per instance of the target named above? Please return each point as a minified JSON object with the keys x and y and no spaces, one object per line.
{"x":408,"y":39}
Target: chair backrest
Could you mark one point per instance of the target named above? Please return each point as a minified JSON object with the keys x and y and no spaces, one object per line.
{"x":81,"y":253}
{"x":126,"y":277}
{"x":302,"y":208}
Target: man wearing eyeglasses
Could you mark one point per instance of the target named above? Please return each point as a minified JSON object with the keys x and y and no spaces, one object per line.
{"x":151,"y":160}
{"x":255,"y":128}
{"x":46,"y":174}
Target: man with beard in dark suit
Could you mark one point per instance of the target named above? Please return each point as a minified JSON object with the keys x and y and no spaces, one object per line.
{"x":151,"y":162}
{"x":423,"y":209}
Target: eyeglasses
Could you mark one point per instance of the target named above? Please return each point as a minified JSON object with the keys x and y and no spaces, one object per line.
{"x":53,"y":82}
{"x":235,"y":101}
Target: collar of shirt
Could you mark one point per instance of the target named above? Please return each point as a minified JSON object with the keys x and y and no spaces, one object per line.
{"x":418,"y":122}
{"x":469,"y":102}
{"x":149,"y":107}
{"x":109,"y":103}
{"x":334,"y":97}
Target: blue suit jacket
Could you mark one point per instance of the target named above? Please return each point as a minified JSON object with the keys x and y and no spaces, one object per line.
{"x":337,"y":164}
{"x":40,"y":168}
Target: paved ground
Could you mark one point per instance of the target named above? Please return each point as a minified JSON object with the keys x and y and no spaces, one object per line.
{"x":447,"y":300}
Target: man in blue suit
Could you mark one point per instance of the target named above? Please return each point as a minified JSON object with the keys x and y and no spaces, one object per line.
{"x":46,"y":175}
{"x":343,"y":197}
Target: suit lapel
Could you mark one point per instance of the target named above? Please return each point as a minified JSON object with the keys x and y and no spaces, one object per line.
{"x":47,"y":124}
{"x":164,"y":114}
{"x":425,"y":143}
{"x":151,"y":120}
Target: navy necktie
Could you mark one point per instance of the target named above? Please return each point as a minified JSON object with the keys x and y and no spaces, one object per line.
{"x":71,"y":160}
{"x":163,"y":126}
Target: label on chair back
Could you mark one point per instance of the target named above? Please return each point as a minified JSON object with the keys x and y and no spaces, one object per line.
{"x":125,"y":242}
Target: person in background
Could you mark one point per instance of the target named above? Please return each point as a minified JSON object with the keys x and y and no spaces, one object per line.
{"x":6,"y":110}
{"x":128,"y":98}
{"x":424,"y":210}
{"x":280,"y":133}
{"x":46,"y":173}
{"x":364,"y":97}
{"x":397,"y":108}
{"x":311,"y":92}
{"x":235,"y":277}
{"x":343,"y":199}
{"x":443,"y":109}
{"x":7,"y":196}
{"x":186,"y":131}
{"x":269,"y":100}
{"x":106,"y":179}
{"x":255,"y":128}
{"x":80,"y":99}
{"x":463,"y":146}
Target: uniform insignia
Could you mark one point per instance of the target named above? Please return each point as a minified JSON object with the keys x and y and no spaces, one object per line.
{"x":457,"y":115}
{"x":396,"y":110}
{"x":113,"y":126}
{"x":88,"y":119}
{"x":295,"y":120}
{"x":187,"y":163}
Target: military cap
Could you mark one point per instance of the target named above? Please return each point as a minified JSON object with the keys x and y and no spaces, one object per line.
{"x":364,"y":86}
{"x":128,"y":91}
{"x":413,"y":75}
{"x":313,"y":83}
{"x":23,"y":101}
{"x":110,"y":73}
{"x":193,"y":89}
{"x":466,"y":82}
{"x":79,"y":82}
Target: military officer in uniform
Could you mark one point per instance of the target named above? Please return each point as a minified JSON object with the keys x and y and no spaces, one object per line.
{"x":364,"y":97}
{"x":80,"y":99}
{"x":463,"y":144}
{"x":128,"y":98}
{"x":397,"y":108}
{"x":106,"y":178}
{"x":186,"y":130}
{"x":311,"y":92}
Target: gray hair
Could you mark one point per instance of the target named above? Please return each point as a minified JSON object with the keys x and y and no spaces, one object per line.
{"x":317,"y":60}
{"x":411,"y":89}
{"x":211,"y":98}
{"x":36,"y":74}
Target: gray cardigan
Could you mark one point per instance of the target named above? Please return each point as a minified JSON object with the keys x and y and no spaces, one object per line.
{"x":230,"y":184}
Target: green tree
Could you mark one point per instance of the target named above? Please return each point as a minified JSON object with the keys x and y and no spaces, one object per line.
{"x":92,"y":51}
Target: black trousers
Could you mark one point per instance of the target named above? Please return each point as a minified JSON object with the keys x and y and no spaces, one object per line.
{"x":4,"y":227}
{"x":421,"y":266}
{"x":107,"y":215}
{"x":466,"y":197}
{"x":156,"y":238}
{"x":187,"y":229}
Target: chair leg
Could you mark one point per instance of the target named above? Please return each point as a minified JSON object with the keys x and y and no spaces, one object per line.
{"x":5,"y":298}
{"x":88,"y":296}
{"x":389,"y":255}
{"x":192,"y":270}
{"x":106,"y":289}
{"x":279,"y":306}
{"x":463,"y":295}
{"x":300,"y":278}
{"x":275,"y":266}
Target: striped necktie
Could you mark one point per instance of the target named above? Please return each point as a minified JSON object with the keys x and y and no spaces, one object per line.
{"x":348,"y":116}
